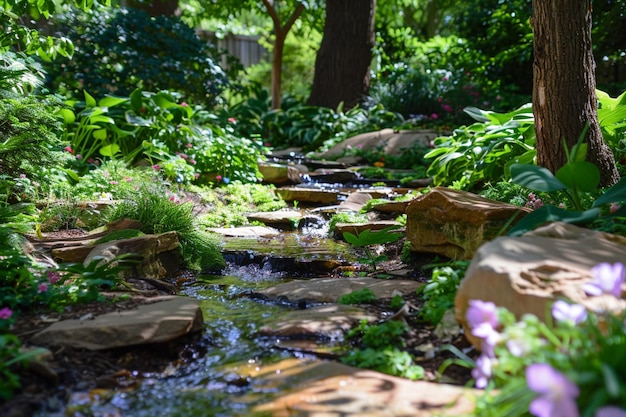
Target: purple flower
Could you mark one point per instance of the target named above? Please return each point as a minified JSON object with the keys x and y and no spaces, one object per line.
{"x":481,"y":312}
{"x":5,"y":313}
{"x":482,"y":371}
{"x":568,"y":313}
{"x":607,"y":279}
{"x":43,"y":287}
{"x":610,"y":411}
{"x":556,"y":393}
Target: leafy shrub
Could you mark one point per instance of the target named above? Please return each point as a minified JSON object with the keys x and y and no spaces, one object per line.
{"x":483,"y":151}
{"x":310,"y":127}
{"x":160,"y":213}
{"x":119,"y":50}
{"x":29,"y":142}
{"x":183,"y":143}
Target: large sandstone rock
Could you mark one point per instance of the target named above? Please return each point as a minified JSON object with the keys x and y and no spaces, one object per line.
{"x":158,"y":322}
{"x":159,"y":254}
{"x":391,"y":142}
{"x":455,"y":223}
{"x":324,"y":389}
{"x":280,"y":174}
{"x":526,"y":274}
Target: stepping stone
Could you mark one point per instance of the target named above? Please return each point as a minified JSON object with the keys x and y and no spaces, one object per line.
{"x":328,"y":290}
{"x":281,"y":219}
{"x":158,"y":322}
{"x":321,"y":322}
{"x":322,"y":388}
{"x":309,"y":195}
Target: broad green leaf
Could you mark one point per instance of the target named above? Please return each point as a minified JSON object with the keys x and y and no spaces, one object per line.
{"x":110,"y":150}
{"x":367,"y":237}
{"x":536,"y":178}
{"x":164,"y":101}
{"x":98,"y":118}
{"x":582,"y":176}
{"x":476,"y":114}
{"x":100,"y":134}
{"x":112,"y":101}
{"x":546,"y":214}
{"x":615,"y":194}
{"x":89,"y":100}
{"x":136,"y":100}
{"x":579,"y":152}
{"x":68,"y":116}
{"x":135,"y":120}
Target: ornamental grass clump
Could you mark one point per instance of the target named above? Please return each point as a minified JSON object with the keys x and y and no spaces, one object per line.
{"x":572,"y":365}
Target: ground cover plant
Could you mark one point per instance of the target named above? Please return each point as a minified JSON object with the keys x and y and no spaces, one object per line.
{"x":567,"y":364}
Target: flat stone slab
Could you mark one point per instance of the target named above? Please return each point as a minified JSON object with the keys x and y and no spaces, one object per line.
{"x":281,"y":219}
{"x":246,"y":231}
{"x":328,"y":290}
{"x":158,"y":322}
{"x":322,"y":389}
{"x":329,"y":321}
{"x":308,"y":195}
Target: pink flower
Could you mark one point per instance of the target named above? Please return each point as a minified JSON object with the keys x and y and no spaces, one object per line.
{"x":434,"y":116}
{"x":79,"y":157}
{"x":156,"y":167}
{"x":172,"y":198}
{"x":189,"y":145}
{"x":5,"y":313}
{"x":23,"y":176}
{"x":447,"y":108}
{"x":232,"y":120}
{"x":556,"y":393}
{"x":113,"y":182}
{"x":53,"y":277}
{"x":218,"y":178}
{"x":69,"y":149}
{"x":43,"y":287}
{"x":184,"y":104}
{"x":192,"y":161}
{"x":614,"y":207}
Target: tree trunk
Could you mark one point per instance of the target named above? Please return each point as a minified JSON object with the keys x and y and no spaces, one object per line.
{"x":280,"y":32}
{"x":564,"y":96}
{"x":343,"y":61}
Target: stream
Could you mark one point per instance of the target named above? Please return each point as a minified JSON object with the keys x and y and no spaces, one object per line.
{"x":210,"y":385}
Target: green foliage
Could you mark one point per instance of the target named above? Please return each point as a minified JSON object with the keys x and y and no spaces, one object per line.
{"x":183,"y":143}
{"x":19,"y":73}
{"x":575,"y":179}
{"x":18,"y":36}
{"x":120,"y":50}
{"x":368,"y":238}
{"x":483,"y":151}
{"x":612,"y":118}
{"x":310,"y":127}
{"x":362,"y":296}
{"x":345,"y":217}
{"x":160,"y":213}
{"x":381,"y":351}
{"x":228,"y":205}
{"x":28,"y":141}
{"x":120,"y":234}
{"x":439,"y":293}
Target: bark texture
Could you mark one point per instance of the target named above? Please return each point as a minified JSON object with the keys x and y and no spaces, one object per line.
{"x":564,"y":96}
{"x":343,"y":60}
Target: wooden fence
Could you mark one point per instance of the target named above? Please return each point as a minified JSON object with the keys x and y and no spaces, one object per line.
{"x":244,"y":48}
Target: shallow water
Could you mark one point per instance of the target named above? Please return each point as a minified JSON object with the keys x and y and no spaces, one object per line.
{"x":209,"y":385}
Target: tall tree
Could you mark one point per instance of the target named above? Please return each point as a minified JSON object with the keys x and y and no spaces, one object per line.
{"x":564,"y":97}
{"x":344,"y":58}
{"x":283,"y":14}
